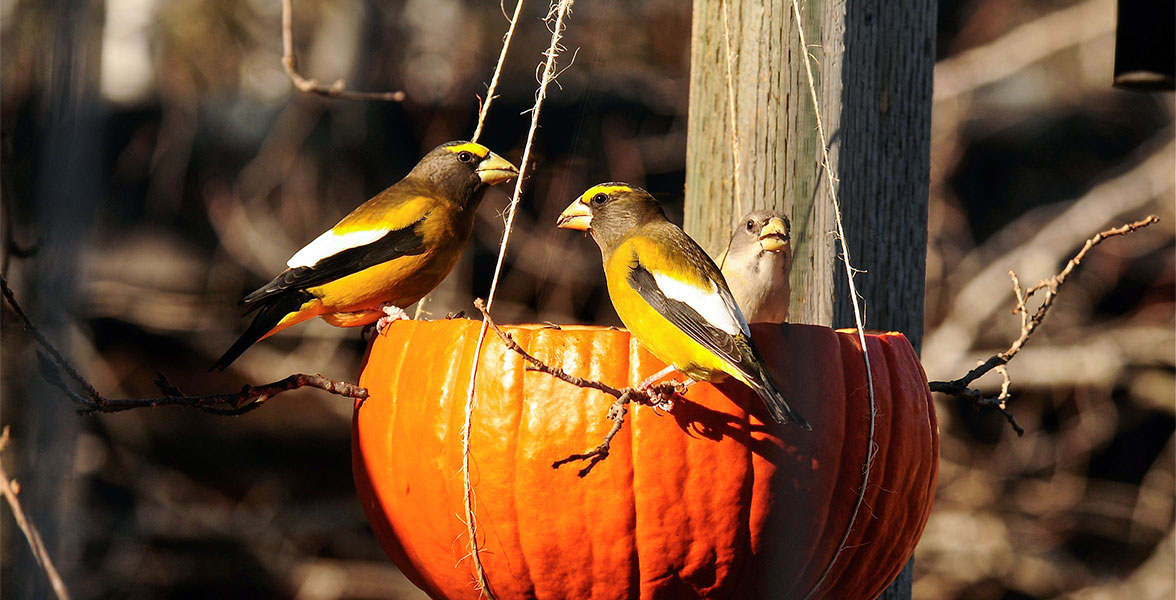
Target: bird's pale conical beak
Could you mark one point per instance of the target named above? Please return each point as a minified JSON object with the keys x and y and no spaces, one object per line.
{"x":575,"y":216}
{"x":495,"y":169}
{"x":774,"y":235}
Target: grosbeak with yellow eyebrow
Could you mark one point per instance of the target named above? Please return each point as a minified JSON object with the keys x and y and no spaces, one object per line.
{"x":757,"y":265}
{"x":670,"y":294}
{"x":386,"y":254}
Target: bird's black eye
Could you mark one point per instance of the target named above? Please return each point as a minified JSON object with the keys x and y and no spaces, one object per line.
{"x":751,"y":225}
{"x":599,"y":199}
{"x":465,"y":156}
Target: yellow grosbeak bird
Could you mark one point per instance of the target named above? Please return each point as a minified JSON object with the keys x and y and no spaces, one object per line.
{"x":386,"y":254}
{"x":669,"y":293}
{"x":757,"y":265}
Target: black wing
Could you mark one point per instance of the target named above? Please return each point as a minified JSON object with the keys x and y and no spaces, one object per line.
{"x":686,"y":318}
{"x":736,"y":349}
{"x":394,"y":244}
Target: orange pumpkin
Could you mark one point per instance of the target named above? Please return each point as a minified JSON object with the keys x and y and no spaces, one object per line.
{"x":709,"y":500}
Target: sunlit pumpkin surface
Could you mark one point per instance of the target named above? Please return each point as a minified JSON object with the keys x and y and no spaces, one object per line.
{"x":706,"y":500}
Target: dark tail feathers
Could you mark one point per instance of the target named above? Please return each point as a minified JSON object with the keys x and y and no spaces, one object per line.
{"x":778,"y":407}
{"x":271,"y":312}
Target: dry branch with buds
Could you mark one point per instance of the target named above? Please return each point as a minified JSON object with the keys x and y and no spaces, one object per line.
{"x":59,"y":372}
{"x":1029,"y":323}
{"x":312,"y":86}
{"x":9,"y":488}
{"x":657,"y":396}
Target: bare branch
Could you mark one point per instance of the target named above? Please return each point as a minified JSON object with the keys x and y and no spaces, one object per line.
{"x":9,"y":488}
{"x":1029,"y":323}
{"x":1148,"y":178}
{"x":312,"y":86}
{"x":616,"y":413}
{"x":89,"y":400}
{"x":657,"y":396}
{"x":952,"y":388}
{"x":1053,"y":284}
{"x":539,"y":365}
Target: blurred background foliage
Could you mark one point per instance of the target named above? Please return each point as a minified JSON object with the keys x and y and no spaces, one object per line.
{"x":157,"y":165}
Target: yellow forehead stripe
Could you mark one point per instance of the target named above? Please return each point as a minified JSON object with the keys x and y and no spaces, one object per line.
{"x":607,"y":190}
{"x":472,"y":147}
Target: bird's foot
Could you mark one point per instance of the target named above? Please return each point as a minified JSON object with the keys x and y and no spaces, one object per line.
{"x":661,"y":395}
{"x":660,"y":400}
{"x":392,"y":313}
{"x":680,"y":387}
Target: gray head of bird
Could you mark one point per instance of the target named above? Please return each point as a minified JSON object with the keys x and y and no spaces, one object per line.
{"x":770,"y":230}
{"x":461,"y":169}
{"x":609,"y":211}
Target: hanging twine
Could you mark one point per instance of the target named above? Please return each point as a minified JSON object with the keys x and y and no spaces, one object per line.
{"x":555,"y":18}
{"x":485,"y":108}
{"x":736,"y":142}
{"x":514,"y":19}
{"x":853,"y":296}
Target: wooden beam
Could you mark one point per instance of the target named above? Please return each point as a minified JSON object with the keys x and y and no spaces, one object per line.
{"x":874,"y":61}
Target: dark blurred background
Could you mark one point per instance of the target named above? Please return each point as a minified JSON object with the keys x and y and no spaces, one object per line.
{"x":157,"y":165}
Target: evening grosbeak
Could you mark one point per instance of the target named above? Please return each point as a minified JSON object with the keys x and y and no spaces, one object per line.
{"x":386,"y":254}
{"x":757,"y":265}
{"x":669,"y":293}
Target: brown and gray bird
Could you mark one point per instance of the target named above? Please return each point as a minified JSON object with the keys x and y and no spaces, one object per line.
{"x":758,"y":263}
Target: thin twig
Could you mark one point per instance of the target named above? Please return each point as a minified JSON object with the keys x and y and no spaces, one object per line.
{"x":1146,"y":177}
{"x":40,"y":338}
{"x":312,"y":86}
{"x":249,"y":398}
{"x":616,"y":413}
{"x":1029,"y":323}
{"x":539,"y":365}
{"x":9,"y":488}
{"x":657,"y":396}
{"x":1052,"y":284}
{"x":997,"y":403}
{"x":484,"y":109}
{"x":90,"y":400}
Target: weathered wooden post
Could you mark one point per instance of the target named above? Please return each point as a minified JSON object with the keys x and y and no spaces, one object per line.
{"x":873,"y":63}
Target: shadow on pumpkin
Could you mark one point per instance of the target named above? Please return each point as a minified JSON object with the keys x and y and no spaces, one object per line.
{"x":784,"y":498}
{"x":698,"y":420}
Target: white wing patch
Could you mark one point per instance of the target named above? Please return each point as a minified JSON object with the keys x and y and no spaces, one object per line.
{"x":720,"y":312}
{"x":331,"y":243}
